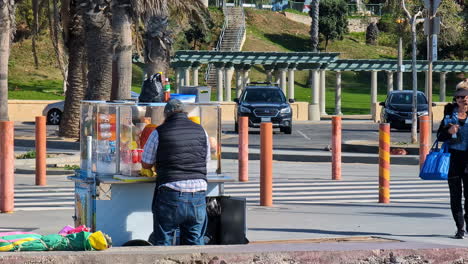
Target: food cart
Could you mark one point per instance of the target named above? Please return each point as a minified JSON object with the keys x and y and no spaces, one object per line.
{"x":110,"y":194}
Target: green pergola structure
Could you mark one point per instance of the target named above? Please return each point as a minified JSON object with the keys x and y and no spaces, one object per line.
{"x":225,"y":62}
{"x":285,"y":63}
{"x":390,"y":67}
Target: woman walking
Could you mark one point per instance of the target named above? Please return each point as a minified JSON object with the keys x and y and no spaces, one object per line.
{"x":454,"y":130}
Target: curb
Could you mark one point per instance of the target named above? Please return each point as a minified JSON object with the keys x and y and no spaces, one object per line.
{"x":73,"y":159}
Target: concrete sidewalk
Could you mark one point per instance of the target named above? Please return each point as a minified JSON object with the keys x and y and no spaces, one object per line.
{"x":291,"y":231}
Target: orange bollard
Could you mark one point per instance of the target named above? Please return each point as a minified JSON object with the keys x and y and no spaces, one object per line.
{"x":384,"y":163}
{"x":336,"y":148}
{"x":7,"y":161}
{"x":243,"y":148}
{"x":41,"y":150}
{"x":424,"y":145}
{"x":266,"y":164}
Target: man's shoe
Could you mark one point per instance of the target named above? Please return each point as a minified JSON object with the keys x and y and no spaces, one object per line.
{"x":460,"y":234}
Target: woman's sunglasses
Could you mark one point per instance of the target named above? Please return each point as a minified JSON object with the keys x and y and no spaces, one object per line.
{"x":460,"y":97}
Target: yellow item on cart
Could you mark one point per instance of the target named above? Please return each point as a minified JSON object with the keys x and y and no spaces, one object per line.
{"x":195,"y":119}
{"x":147,"y":173}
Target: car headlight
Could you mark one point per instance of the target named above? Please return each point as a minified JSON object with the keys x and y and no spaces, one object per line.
{"x":422,"y":113}
{"x":390,"y":111}
{"x":286,"y":110}
{"x":244,"y":109}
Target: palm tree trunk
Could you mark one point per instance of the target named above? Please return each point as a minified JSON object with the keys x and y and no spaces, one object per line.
{"x":158,"y":44}
{"x":76,"y":79}
{"x":314,"y":27}
{"x":99,"y":51}
{"x":122,"y":60}
{"x":7,"y":21}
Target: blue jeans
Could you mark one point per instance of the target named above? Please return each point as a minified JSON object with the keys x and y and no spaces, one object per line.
{"x":183,"y":210}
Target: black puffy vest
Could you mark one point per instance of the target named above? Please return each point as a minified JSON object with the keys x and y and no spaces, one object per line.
{"x":181,"y":153}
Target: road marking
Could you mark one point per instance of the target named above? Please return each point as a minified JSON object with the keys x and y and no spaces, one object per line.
{"x":303,"y":191}
{"x":304,"y":135}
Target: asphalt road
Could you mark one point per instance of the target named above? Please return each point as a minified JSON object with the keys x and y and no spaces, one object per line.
{"x":306,"y":135}
{"x":317,"y":135}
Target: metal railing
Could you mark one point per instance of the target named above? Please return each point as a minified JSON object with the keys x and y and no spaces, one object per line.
{"x":238,"y":39}
{"x":218,"y":44}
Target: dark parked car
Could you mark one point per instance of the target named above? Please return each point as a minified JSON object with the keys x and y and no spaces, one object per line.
{"x":264,"y":102}
{"x":398,"y":108}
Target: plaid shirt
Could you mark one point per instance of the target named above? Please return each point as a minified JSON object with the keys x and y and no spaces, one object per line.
{"x":149,"y":156}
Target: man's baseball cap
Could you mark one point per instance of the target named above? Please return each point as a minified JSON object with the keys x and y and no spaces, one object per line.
{"x":174,"y":106}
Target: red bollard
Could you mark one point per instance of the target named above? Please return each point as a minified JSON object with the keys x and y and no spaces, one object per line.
{"x":266,"y":164}
{"x":41,"y":150}
{"x":424,"y":145}
{"x":336,"y":148}
{"x":384,"y":163}
{"x":243,"y":148}
{"x":7,"y":163}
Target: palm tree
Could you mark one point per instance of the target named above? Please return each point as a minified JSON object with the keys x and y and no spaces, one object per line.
{"x":7,"y":28}
{"x":99,"y":51}
{"x":314,"y":27}
{"x":74,"y":39}
{"x":122,"y":59}
{"x":157,"y":37}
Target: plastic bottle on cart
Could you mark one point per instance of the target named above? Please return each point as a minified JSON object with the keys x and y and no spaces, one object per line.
{"x":167,"y":90}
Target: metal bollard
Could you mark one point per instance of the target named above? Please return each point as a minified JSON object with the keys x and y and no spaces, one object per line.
{"x":384,"y":163}
{"x":41,"y":150}
{"x":243,"y":148}
{"x":424,"y":145}
{"x":7,"y":161}
{"x":336,"y":148}
{"x":266,"y":164}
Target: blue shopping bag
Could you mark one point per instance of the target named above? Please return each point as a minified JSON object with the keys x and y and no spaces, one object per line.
{"x":437,"y":163}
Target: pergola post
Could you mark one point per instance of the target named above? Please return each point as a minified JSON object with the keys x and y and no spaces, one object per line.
{"x":195,"y":68}
{"x":246,"y":78}
{"x":187,"y":76}
{"x":291,"y":81}
{"x":227,"y":80}
{"x":314,"y":109}
{"x":239,"y":77}
{"x":282,"y":68}
{"x":442,"y":90}
{"x":373,"y":91}
{"x":269,"y":72}
{"x":219,"y":80}
{"x":389,"y":81}
{"x":338,"y":94}
{"x":322,"y":92}
{"x":178,"y":79}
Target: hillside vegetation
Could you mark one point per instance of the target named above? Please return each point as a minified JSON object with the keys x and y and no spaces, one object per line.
{"x":266,"y":31}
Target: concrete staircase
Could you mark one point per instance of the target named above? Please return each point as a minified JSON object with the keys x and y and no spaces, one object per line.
{"x":231,"y":38}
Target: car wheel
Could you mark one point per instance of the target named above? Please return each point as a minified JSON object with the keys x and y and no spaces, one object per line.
{"x":236,"y":127}
{"x":54,"y":116}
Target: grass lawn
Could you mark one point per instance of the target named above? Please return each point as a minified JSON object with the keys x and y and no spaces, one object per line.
{"x":266,"y":31}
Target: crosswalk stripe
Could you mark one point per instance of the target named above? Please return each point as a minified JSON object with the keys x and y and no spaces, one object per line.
{"x":44,"y":198}
{"x":327,"y":191}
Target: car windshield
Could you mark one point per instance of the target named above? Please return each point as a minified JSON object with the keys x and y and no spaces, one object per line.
{"x":263,"y":96}
{"x":407,"y":98}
